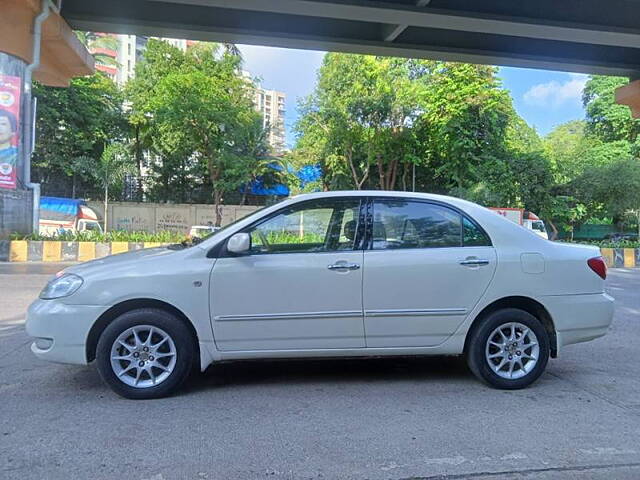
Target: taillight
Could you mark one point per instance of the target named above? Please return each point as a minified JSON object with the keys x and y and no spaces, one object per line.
{"x":597,"y":265}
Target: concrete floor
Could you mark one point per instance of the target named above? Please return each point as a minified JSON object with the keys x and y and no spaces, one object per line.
{"x":375,"y":419}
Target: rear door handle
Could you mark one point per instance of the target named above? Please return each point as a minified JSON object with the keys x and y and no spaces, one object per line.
{"x":474,"y":262}
{"x":343,"y":266}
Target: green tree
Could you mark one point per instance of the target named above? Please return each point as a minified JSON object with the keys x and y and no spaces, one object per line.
{"x":374,"y":121}
{"x":605,"y":119}
{"x":74,"y":122}
{"x":196,"y":104}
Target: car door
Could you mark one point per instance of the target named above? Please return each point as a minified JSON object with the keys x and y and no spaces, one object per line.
{"x":426,"y":267}
{"x":300,"y":285}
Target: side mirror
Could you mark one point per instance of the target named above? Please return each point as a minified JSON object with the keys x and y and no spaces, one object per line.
{"x":239,"y":243}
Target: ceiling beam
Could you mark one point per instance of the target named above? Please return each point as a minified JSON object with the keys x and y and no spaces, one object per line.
{"x":391,"y":32}
{"x":412,"y":16}
{"x":347,"y":45}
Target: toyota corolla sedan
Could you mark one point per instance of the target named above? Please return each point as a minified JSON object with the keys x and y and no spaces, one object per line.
{"x":340,"y":274}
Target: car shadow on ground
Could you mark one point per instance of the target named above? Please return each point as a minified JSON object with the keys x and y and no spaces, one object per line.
{"x":297,"y":372}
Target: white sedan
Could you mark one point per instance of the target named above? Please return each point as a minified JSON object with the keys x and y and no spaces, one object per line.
{"x":329,"y":275}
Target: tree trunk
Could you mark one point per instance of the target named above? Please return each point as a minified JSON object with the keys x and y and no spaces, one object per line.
{"x":214,"y":174}
{"x":405,"y":174}
{"x":217,"y":197}
{"x":106,"y":206}
{"x":380,"y":171}
{"x":139,"y":163}
{"x":358,"y":182}
{"x":554,"y":231}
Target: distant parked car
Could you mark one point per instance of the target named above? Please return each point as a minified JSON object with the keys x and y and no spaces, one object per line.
{"x":337,"y":274}
{"x":202,"y":231}
{"x":619,"y":237}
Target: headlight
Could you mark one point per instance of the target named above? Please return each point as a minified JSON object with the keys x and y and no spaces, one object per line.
{"x":62,"y":286}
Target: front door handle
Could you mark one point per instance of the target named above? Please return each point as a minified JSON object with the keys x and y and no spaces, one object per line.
{"x":474,"y":262}
{"x":343,"y":266}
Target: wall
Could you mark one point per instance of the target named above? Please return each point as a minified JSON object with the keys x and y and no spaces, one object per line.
{"x":153,"y":217}
{"x":15,"y":211}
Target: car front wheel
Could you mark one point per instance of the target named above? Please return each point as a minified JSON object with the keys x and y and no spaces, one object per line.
{"x":509,"y":349}
{"x":145,"y":353}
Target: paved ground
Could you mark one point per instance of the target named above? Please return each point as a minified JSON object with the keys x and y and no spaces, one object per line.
{"x":380,"y":419}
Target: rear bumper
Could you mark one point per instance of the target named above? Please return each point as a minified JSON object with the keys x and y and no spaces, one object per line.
{"x":579,"y":318}
{"x":60,"y":331}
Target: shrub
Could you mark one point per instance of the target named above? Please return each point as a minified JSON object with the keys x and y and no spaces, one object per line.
{"x":114,"y":236}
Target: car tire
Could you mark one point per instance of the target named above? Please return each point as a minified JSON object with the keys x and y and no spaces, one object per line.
{"x":138,"y":367}
{"x":505,"y":357}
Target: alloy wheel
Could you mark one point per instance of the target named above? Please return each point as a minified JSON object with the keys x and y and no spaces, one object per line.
{"x":512,"y":350}
{"x":143,"y":356}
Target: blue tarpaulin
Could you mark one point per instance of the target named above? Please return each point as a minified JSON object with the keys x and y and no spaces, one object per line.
{"x":307,"y":174}
{"x":66,"y":206}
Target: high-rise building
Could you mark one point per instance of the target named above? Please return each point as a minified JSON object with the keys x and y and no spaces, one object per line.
{"x":271,"y":104}
{"x":128,"y":52}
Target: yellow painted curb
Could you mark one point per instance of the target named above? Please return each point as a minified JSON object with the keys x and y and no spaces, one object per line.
{"x":629,"y":257}
{"x":51,"y":251}
{"x":86,"y":251}
{"x":151,"y":244}
{"x":18,"y":251}
{"x":119,"y":247}
{"x":607,"y":254}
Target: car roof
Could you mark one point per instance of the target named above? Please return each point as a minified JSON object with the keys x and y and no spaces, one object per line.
{"x":377,"y":193}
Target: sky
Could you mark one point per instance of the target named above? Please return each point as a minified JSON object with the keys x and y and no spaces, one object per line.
{"x":545,"y":99}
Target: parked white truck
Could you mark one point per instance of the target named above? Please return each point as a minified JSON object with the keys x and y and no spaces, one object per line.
{"x":522,"y":217}
{"x":59,"y":215}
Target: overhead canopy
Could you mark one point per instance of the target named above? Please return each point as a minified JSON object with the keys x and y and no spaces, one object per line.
{"x":589,"y":36}
{"x":63,"y":56}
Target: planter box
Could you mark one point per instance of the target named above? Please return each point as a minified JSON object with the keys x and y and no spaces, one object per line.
{"x":54,"y":251}
{"x":57,"y":251}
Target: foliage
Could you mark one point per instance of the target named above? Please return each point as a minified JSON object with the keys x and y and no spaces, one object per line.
{"x":605,"y":119}
{"x":194,"y":108}
{"x":72,"y":123}
{"x":611,"y":244}
{"x":115,"y":236}
{"x":372,"y":121}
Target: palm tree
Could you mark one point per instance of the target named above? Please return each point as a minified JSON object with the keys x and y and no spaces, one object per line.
{"x":109,"y":170}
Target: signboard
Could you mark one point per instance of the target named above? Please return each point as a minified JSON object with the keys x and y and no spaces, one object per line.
{"x":513,"y":214}
{"x":9,"y":130}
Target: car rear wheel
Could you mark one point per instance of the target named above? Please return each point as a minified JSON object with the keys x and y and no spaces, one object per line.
{"x":509,"y":349}
{"x":145,"y":353}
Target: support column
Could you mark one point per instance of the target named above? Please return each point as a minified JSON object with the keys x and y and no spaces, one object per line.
{"x":16,"y":200}
{"x":31,"y":33}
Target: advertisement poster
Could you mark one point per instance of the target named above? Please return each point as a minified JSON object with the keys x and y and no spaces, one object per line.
{"x":9,"y":126}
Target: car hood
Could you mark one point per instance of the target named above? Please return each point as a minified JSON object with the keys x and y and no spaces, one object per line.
{"x":111,"y":261}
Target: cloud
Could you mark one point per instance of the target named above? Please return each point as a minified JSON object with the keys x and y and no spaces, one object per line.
{"x":555,"y":94}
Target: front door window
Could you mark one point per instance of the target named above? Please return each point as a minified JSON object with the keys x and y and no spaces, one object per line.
{"x":317,"y":226}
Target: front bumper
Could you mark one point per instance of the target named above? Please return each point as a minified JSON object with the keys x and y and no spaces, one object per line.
{"x":580,"y":318}
{"x":61,"y":330}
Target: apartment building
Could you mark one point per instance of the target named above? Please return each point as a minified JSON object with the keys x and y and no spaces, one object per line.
{"x":271,"y":104}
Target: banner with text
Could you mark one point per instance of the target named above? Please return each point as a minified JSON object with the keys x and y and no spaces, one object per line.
{"x":9,"y":130}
